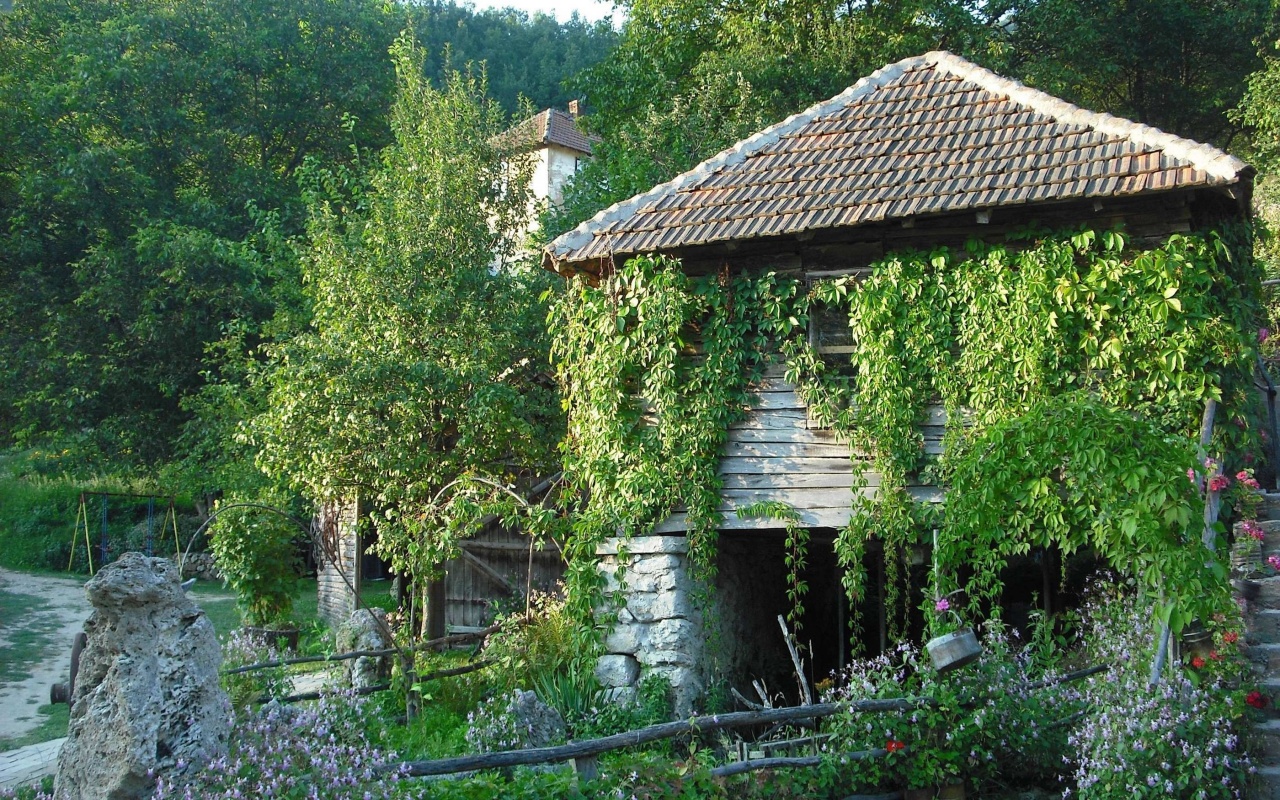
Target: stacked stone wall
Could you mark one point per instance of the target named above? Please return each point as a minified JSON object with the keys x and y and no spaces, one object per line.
{"x":659,"y":629}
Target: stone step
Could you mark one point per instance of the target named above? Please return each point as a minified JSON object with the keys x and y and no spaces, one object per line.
{"x":1263,"y":626}
{"x":1265,"y":784}
{"x":1270,"y":688}
{"x":1262,"y":593}
{"x":1265,"y":743}
{"x":1264,"y":657}
{"x":1270,"y":507}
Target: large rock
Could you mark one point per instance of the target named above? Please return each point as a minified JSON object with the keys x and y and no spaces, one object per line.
{"x":540,"y":724}
{"x":147,"y":702}
{"x":365,"y":629}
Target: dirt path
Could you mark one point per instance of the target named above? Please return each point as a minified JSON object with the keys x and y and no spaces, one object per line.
{"x":35,"y":643}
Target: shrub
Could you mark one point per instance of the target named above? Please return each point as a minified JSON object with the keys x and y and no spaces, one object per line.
{"x":986,"y":721}
{"x":258,"y":555}
{"x":289,"y":752}
{"x":246,"y":689}
{"x":1178,"y":739}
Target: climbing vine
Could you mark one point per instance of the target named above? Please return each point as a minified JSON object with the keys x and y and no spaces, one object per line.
{"x":655,"y":366}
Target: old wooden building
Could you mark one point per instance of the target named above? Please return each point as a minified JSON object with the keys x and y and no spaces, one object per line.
{"x":926,"y":152}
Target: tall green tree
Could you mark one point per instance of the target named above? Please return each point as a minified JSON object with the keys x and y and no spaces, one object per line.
{"x":422,"y":362}
{"x":147,"y":145}
{"x":524,"y":56}
{"x":1180,"y":65}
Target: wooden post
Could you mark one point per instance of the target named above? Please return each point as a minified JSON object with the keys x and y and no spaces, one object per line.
{"x":435,"y":622}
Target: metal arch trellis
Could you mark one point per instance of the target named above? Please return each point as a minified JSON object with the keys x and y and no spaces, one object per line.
{"x":169,"y":521}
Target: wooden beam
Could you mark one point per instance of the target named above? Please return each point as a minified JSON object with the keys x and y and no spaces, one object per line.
{"x":489,"y":572}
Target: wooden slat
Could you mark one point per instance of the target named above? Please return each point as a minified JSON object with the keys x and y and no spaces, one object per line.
{"x":798,"y":480}
{"x":765,"y":466}
{"x":795,"y":435}
{"x":796,"y":498}
{"x":784,"y":450}
{"x":778,"y":400}
{"x":809,"y":517}
{"x":519,"y":547}
{"x":772,"y":383}
{"x":775,"y":418}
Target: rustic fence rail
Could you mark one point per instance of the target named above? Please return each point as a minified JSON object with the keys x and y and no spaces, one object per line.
{"x":456,"y":638}
{"x":584,"y":753}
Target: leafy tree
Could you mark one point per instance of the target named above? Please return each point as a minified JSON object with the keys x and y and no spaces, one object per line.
{"x":140,"y":141}
{"x":1179,"y":65}
{"x":524,"y":56}
{"x":422,"y":362}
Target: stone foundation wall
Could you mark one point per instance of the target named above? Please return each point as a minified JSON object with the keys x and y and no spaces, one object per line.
{"x":659,"y":630}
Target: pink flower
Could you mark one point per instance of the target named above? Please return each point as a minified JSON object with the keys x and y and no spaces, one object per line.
{"x":1191,"y":474}
{"x":1263,"y":335}
{"x":1274,"y":561}
{"x":942,"y":605}
{"x":1246,"y":479}
{"x":1253,"y":530}
{"x":1219,"y":482}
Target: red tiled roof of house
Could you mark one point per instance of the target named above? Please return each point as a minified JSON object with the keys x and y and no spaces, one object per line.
{"x":929,"y":134}
{"x":557,"y":127}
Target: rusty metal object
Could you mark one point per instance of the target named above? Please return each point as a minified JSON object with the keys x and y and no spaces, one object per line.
{"x":66,"y":692}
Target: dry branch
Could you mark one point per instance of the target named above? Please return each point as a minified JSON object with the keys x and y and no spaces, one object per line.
{"x":787,"y":762}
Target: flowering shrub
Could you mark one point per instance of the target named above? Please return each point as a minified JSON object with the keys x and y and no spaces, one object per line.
{"x":246,"y":688}
{"x":287,"y":752}
{"x":986,"y":721}
{"x":1177,"y":739}
{"x":493,"y":725}
{"x":28,"y":793}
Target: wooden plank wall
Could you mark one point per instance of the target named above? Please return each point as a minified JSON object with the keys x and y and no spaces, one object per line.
{"x":334,"y":598}
{"x":492,"y":573}
{"x":778,"y":454}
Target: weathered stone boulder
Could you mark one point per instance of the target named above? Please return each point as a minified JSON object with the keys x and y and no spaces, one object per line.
{"x":540,"y":724}
{"x":365,"y":629}
{"x":147,"y":701}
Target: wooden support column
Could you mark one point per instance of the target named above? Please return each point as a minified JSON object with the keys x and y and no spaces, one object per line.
{"x":436,"y":628}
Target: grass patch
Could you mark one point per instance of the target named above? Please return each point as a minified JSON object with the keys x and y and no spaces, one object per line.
{"x":28,"y":634}
{"x":39,"y":507}
{"x":53,"y":725}
{"x":218,"y":602}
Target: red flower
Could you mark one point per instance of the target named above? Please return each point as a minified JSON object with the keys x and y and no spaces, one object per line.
{"x":1219,"y":482}
{"x":1214,"y":656}
{"x":1197,"y":662}
{"x":1256,"y":699}
{"x":1230,"y":637}
{"x":893,"y":745}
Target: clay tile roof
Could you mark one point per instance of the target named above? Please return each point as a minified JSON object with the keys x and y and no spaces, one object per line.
{"x":929,"y":134}
{"x":557,"y":127}
{"x":551,"y":126}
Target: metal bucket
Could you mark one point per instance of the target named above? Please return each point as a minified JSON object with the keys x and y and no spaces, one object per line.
{"x":954,"y":650}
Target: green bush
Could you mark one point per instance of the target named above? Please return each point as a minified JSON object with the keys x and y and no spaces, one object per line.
{"x":258,"y":554}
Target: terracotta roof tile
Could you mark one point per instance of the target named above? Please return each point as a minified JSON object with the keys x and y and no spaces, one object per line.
{"x":926,"y":135}
{"x":553,"y":126}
